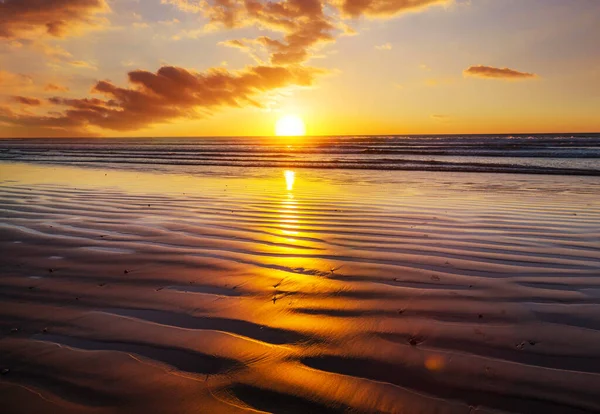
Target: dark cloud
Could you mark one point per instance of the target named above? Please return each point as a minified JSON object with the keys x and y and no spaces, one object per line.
{"x":489,"y":72}
{"x":57,"y":18}
{"x":24,"y":100}
{"x":168,"y":94}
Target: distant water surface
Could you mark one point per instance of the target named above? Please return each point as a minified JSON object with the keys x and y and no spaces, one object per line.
{"x":562,"y":154}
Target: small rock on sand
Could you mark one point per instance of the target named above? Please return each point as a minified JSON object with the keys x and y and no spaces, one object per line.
{"x":415,"y":340}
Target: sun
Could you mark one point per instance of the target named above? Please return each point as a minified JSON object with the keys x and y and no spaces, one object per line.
{"x":290,"y":126}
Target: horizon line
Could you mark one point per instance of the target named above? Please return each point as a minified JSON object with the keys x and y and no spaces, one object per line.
{"x":309,"y":136}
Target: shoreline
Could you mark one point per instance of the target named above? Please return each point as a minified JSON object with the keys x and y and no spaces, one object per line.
{"x":135,"y":291}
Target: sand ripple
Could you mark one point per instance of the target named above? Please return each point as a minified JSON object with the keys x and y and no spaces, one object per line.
{"x":228,"y":295}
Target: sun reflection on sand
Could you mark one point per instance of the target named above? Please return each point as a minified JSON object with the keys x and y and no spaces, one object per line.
{"x":290,"y":178}
{"x":288,"y":214}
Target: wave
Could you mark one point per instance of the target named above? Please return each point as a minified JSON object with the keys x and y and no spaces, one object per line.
{"x":543,"y":154}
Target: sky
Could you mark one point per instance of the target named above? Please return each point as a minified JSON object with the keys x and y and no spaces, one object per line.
{"x":121,"y":68}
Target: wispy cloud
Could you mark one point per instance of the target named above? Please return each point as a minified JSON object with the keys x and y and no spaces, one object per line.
{"x":83,"y":64}
{"x":55,"y":87}
{"x":489,"y":72}
{"x":385,"y":46}
{"x":25,"y":100}
{"x":10,"y":81}
{"x":441,"y":118}
{"x":386,"y":8}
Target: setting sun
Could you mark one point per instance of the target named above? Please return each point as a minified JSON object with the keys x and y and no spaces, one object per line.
{"x":290,"y":126}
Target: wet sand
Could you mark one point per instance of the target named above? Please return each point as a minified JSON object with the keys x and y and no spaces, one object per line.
{"x":316,"y":291}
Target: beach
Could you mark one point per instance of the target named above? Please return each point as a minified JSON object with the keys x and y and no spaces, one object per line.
{"x":240,"y":290}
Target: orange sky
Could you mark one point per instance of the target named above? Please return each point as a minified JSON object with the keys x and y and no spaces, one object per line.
{"x":225,"y":67}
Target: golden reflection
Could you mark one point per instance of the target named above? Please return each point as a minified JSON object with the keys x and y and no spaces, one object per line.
{"x":288,"y":218}
{"x":435,"y":363}
{"x":290,"y":178}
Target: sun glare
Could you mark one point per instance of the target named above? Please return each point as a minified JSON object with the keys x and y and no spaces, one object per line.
{"x":290,"y":126}
{"x":290,"y":177}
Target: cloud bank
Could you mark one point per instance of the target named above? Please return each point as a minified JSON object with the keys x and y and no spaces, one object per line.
{"x":292,"y":31}
{"x":170,"y":93}
{"x":58,"y":18}
{"x":304,"y":25}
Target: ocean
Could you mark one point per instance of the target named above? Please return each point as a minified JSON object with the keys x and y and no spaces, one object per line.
{"x":560,"y":154}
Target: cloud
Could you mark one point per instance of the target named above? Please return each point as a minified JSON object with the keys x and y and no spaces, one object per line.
{"x":292,"y":30}
{"x":55,"y":87}
{"x":24,"y":100}
{"x":10,"y":81}
{"x":489,"y":72}
{"x":168,"y":94}
{"x":57,"y":18}
{"x":385,"y":46}
{"x":140,"y":25}
{"x":83,"y":64}
{"x":305,"y":25}
{"x":386,"y":8}
{"x":441,"y":118}
{"x":234,"y":43}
